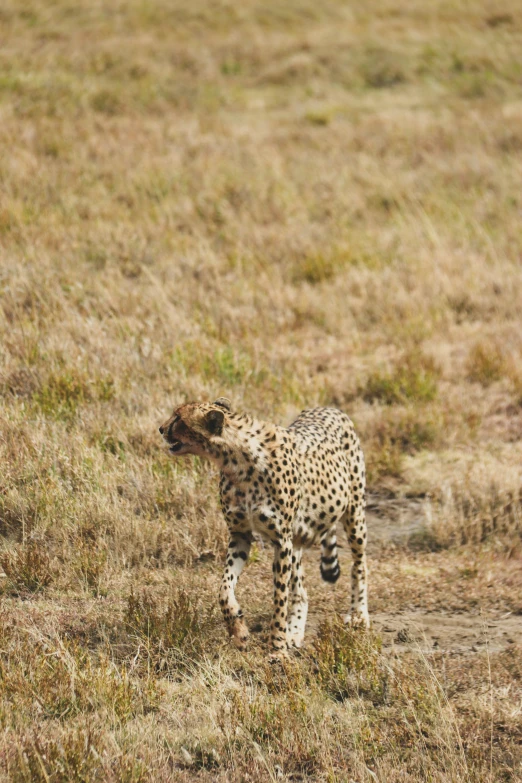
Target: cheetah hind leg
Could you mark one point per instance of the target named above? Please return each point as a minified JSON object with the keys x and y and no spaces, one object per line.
{"x":298,"y":603}
{"x":355,"y":526}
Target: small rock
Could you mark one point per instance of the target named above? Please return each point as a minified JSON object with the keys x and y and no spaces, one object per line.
{"x":403,"y":636}
{"x":207,"y":555}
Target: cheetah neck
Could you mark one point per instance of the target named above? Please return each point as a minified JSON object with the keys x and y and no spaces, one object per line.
{"x":247,"y":444}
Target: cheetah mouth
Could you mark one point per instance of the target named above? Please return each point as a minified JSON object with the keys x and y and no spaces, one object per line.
{"x":175,"y":446}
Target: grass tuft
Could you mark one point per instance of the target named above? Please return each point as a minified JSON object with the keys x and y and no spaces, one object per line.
{"x":414,"y":379}
{"x":476,"y":514}
{"x":28,"y":568}
{"x":171,"y":632}
{"x":486,"y":363}
{"x":349,"y":661}
{"x":62,"y":394}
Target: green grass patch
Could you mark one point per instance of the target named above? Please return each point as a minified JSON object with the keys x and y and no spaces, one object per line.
{"x":60,"y":396}
{"x":414,"y":379}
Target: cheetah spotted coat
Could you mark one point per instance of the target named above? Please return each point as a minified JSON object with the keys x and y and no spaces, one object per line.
{"x":292,"y":486}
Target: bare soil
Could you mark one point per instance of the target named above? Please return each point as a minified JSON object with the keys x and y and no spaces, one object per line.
{"x":449,"y":608}
{"x":475,"y":631}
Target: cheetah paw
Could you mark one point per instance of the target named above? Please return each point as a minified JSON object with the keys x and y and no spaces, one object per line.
{"x":239,"y":633}
{"x":278,"y":656}
{"x":358,"y":620}
{"x":295,"y":640}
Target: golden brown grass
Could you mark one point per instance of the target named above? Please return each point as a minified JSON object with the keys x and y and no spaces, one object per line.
{"x":289,"y":204}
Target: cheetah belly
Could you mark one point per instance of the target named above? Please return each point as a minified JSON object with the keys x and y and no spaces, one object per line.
{"x":255,"y":517}
{"x":310,"y":524}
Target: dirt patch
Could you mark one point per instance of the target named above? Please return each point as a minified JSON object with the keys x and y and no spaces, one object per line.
{"x":393,"y":520}
{"x":420,"y":620}
{"x":456,"y":633}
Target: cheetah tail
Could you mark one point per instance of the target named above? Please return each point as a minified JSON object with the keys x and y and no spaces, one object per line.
{"x":330,"y":569}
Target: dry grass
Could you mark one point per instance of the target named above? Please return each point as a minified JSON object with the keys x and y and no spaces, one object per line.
{"x":289,"y":204}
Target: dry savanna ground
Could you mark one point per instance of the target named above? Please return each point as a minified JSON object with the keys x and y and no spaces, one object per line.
{"x":290,"y":204}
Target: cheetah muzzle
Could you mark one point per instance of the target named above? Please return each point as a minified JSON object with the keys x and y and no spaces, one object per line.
{"x":290,"y":485}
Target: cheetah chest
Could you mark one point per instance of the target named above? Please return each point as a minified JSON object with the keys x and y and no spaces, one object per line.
{"x":250,"y":507}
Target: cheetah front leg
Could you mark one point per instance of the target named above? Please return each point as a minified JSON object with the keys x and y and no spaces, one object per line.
{"x":237,"y":555}
{"x":298,"y":603}
{"x":282,"y":569}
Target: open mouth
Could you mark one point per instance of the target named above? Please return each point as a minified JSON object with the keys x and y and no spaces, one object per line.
{"x":175,"y":446}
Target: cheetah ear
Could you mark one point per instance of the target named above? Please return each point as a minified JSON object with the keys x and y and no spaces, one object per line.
{"x":223,"y":402}
{"x":214,"y":422}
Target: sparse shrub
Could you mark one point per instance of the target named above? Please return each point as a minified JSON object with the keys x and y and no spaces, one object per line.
{"x":19,"y":513}
{"x":318,"y":118}
{"x":112,"y":445}
{"x":486,"y":363}
{"x":224,"y":365}
{"x":320,"y":266}
{"x":73,"y":758}
{"x":281,"y":722}
{"x":499,"y":19}
{"x":205,"y":756}
{"x":230,"y":68}
{"x":28,"y":568}
{"x":396,"y":433}
{"x":414,"y":379}
{"x":416,"y":430}
{"x":79,"y":755}
{"x":20,"y":383}
{"x":349,"y":661}
{"x":107,"y":102}
{"x":384,"y":457}
{"x":65,"y":680}
{"x":315,"y":269}
{"x":474,"y":85}
{"x":515,"y":376}
{"x":61,"y":395}
{"x":170,"y":632}
{"x":475,"y":514}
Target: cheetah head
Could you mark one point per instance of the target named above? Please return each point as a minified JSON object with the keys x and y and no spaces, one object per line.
{"x":196,"y":428}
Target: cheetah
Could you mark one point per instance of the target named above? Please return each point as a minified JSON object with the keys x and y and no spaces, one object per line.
{"x":290,"y":485}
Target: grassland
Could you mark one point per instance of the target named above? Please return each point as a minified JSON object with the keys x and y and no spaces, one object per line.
{"x":288,"y":204}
